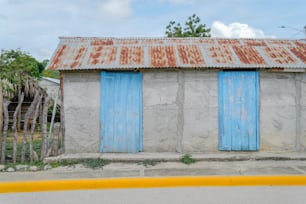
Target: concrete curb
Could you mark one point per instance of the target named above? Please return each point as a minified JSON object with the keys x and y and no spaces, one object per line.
{"x":159,"y":182}
{"x":175,"y":157}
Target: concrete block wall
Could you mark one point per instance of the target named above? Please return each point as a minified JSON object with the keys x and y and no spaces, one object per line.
{"x":303,"y":113}
{"x":180,"y":112}
{"x":82,"y":112}
{"x":277,"y":111}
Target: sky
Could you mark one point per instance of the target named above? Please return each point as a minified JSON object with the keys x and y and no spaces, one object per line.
{"x":35,"y":25}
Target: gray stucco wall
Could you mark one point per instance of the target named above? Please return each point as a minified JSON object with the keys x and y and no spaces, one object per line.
{"x":180,"y":112}
{"x":82,"y":112}
{"x":302,"y":114}
{"x":283,"y":111}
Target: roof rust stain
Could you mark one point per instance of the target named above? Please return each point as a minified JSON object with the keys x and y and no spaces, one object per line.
{"x":205,"y":41}
{"x":255,"y":42}
{"x":220,"y":54}
{"x":102,"y":55}
{"x":127,"y":42}
{"x":56,"y":62}
{"x":131,"y":56}
{"x":162,"y":56}
{"x":300,"y":52}
{"x":279,"y":42}
{"x":190,"y":55}
{"x":279,"y":55}
{"x":102,"y":42}
{"x":228,"y":42}
{"x":248,"y":55}
{"x":78,"y":59}
{"x":128,"y":53}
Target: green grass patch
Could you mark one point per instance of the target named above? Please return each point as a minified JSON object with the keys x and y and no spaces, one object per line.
{"x":187,"y":159}
{"x":89,"y":163}
{"x":148,"y":162}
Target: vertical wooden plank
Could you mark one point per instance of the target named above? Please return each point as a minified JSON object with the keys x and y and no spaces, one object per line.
{"x":121,"y":112}
{"x":238,"y":110}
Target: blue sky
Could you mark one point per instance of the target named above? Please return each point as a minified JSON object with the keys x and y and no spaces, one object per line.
{"x":35,"y":25}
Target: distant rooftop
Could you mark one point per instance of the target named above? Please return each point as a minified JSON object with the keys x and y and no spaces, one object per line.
{"x":51,"y":80}
{"x":82,"y":53}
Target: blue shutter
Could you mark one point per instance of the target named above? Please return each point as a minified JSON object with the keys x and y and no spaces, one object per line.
{"x":238,"y":110}
{"x":121,"y":112}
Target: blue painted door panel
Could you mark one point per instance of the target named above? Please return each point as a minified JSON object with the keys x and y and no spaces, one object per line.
{"x":238,"y":110}
{"x":121,"y":112}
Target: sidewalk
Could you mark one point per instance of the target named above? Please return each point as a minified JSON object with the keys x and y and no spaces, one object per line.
{"x":168,"y":164}
{"x":174,"y":157}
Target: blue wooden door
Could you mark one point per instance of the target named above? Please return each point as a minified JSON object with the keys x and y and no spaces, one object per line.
{"x":238,"y":110}
{"x":121,"y":112}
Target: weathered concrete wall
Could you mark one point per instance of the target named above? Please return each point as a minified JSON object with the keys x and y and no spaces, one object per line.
{"x":303,"y":113}
{"x":200,"y":133}
{"x":278,"y":111}
{"x":82,"y":112}
{"x":180,"y":111}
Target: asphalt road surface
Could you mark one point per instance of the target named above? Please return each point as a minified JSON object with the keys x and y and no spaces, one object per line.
{"x":192,"y":195}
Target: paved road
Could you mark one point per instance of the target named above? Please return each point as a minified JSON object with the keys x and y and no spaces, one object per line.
{"x":193,"y":195}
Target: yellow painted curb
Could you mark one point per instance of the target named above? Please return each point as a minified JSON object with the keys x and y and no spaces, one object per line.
{"x":160,"y":182}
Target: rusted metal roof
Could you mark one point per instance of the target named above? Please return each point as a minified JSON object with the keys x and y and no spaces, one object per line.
{"x":77,"y":53}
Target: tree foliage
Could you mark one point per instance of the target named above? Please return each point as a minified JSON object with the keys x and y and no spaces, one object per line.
{"x":15,"y":64}
{"x":193,"y":28}
{"x":16,"y":67}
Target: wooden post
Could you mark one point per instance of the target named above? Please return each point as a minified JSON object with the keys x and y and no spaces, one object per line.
{"x":1,"y":113}
{"x":62,"y":112}
{"x":15,"y":127}
{"x":55,"y":139}
{"x":44,"y":127}
{"x":25,"y":125}
{"x":33,"y":127}
{"x":5,"y":129}
{"x":52,"y":118}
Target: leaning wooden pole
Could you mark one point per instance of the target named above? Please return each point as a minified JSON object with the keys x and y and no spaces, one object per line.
{"x":25,"y":125}
{"x":5,"y":129}
{"x":62,"y":112}
{"x":15,"y":126}
{"x":1,"y":112}
{"x":44,"y":127}
{"x":36,"y":113}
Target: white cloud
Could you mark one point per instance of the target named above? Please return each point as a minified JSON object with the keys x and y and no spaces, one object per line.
{"x":116,"y":8}
{"x":236,"y":30}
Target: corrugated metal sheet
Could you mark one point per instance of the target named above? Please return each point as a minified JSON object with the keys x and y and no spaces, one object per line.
{"x":76,"y":53}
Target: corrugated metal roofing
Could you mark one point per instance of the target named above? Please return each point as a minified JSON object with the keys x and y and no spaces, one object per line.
{"x":77,"y":53}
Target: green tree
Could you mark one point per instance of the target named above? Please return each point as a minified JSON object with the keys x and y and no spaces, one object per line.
{"x":193,"y":28}
{"x":15,"y":68}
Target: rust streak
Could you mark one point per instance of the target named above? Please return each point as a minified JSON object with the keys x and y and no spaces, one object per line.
{"x":131,"y":56}
{"x":162,"y":56}
{"x":248,"y":55}
{"x":279,"y":55}
{"x":220,"y":54}
{"x":101,"y":42}
{"x":190,"y":55}
{"x":57,"y":59}
{"x":77,"y":60}
{"x":300,"y":52}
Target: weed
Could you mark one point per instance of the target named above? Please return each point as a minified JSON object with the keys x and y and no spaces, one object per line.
{"x":94,"y":163}
{"x":148,"y":162}
{"x":187,"y":159}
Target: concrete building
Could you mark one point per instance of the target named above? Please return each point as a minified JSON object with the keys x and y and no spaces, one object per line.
{"x":182,"y":94}
{"x":51,"y":86}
